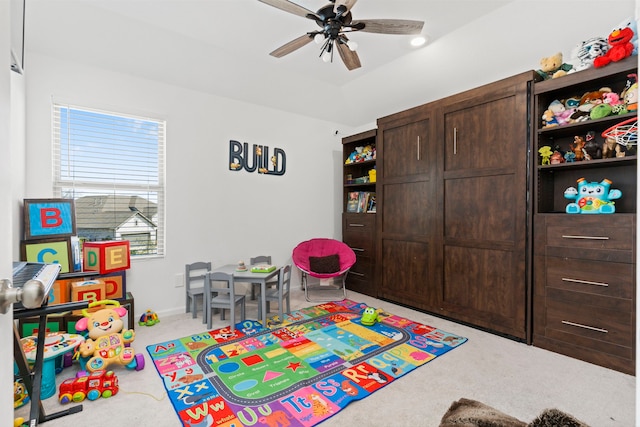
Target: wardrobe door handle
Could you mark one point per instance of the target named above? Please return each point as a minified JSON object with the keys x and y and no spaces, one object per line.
{"x":585,"y":282}
{"x":418,"y":146}
{"x":455,"y":140}
{"x":569,"y":236}
{"x":579,"y":325}
{"x":356,"y":225}
{"x":356,"y":273}
{"x":357,"y":249}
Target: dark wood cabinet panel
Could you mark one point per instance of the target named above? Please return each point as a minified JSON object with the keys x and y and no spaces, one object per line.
{"x":411,"y":154}
{"x":452,"y":225}
{"x":408,"y":273}
{"x":484,"y":221}
{"x":358,"y":229}
{"x":409,"y":212}
{"x":584,"y":270}
{"x":584,"y":297}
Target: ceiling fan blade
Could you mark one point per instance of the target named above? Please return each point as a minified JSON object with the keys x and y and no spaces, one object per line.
{"x":349,"y":57}
{"x":348,"y":4}
{"x":291,"y":7}
{"x":389,"y":26}
{"x":292,"y":45}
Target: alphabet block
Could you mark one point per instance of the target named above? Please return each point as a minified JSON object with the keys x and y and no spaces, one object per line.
{"x":88,"y":290}
{"x":106,"y":257}
{"x":44,"y":218}
{"x":49,"y":251}
{"x":115,"y":284}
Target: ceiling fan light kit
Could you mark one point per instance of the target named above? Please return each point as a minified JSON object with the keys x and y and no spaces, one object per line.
{"x":335,"y":20}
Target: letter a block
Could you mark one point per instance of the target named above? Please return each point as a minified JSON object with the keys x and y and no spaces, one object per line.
{"x":106,"y":257}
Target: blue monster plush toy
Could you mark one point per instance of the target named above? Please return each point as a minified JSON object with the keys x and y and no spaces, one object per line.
{"x":592,"y":197}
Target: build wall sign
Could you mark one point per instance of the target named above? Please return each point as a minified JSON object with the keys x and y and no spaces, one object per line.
{"x":258,"y":158}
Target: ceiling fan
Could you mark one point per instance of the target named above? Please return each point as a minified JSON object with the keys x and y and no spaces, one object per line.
{"x":335,"y":22}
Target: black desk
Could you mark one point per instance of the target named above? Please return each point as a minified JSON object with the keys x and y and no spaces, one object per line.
{"x":33,"y":380}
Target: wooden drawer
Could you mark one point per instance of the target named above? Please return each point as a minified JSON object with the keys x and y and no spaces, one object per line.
{"x":362,"y":268}
{"x":601,"y":278}
{"x":361,"y":243}
{"x":363,"y":223}
{"x":597,"y":237}
{"x":599,"y":323}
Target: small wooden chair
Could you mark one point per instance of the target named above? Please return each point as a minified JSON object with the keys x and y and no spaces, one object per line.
{"x":194,"y":273}
{"x":221,"y":284}
{"x":279,"y":294}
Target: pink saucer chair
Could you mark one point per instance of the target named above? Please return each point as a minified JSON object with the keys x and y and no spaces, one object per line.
{"x":324,"y":264}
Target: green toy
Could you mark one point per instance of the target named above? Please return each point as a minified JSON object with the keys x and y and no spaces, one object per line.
{"x":369,"y":316}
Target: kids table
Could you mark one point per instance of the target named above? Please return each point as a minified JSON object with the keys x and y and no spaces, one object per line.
{"x":55,"y":345}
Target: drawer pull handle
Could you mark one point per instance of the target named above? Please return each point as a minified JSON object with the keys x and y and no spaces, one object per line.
{"x":357,"y":274}
{"x":357,"y":249}
{"x":568,"y":236}
{"x":356,"y":225}
{"x":566,"y":322}
{"x":585,"y":282}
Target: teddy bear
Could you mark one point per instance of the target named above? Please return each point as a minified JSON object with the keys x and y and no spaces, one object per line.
{"x":552,"y":67}
{"x":107,"y":342}
{"x":620,"y":46}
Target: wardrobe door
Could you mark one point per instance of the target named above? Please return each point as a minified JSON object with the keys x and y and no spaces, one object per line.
{"x":407,"y":211}
{"x":484,"y":184}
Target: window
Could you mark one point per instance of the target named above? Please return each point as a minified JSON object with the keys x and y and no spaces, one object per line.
{"x":112,"y":165}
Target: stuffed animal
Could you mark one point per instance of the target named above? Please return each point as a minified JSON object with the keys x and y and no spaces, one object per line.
{"x":560,"y":112}
{"x":584,"y":53}
{"x":108,"y":342}
{"x":592,"y":197}
{"x":552,"y":67}
{"x":548,"y":119}
{"x":620,"y":47}
{"x":633,"y":24}
{"x":587,"y":102}
{"x":630,"y":94}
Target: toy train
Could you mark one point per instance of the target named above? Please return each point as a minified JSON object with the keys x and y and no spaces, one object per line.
{"x":97,"y":384}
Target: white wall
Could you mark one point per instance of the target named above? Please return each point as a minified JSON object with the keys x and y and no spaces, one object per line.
{"x":212,"y":213}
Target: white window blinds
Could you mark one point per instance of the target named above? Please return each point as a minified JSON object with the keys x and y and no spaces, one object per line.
{"x":112,"y":165}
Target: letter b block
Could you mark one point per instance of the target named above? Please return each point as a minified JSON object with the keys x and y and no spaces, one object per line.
{"x":106,"y":257}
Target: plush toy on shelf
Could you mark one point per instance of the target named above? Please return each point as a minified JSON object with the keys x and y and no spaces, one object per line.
{"x":620,"y":46}
{"x":560,"y":112}
{"x":552,"y":67}
{"x":592,"y":197}
{"x":585,"y":52}
{"x":108,"y":342}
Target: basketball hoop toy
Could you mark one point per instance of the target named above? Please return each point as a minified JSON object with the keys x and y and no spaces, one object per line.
{"x":624,"y":133}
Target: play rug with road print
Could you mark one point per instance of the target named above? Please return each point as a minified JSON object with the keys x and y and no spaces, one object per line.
{"x":295,"y":372}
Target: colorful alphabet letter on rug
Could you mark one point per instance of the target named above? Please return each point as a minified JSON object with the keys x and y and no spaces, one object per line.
{"x":297,"y":371}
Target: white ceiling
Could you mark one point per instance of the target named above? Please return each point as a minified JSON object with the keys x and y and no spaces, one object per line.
{"x":222,"y":47}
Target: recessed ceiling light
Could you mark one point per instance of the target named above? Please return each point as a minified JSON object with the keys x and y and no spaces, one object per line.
{"x":418,"y":41}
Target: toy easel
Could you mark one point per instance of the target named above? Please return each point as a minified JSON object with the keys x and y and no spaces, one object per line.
{"x":33,"y":380}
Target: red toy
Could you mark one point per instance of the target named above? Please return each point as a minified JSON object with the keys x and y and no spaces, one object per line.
{"x":620,"y":47}
{"x":97,"y":384}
